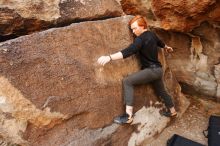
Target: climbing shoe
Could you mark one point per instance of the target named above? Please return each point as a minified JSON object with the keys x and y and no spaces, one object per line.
{"x":168,"y":114}
{"x":123,"y":119}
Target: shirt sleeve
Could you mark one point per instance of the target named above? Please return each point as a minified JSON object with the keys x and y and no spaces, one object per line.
{"x":133,"y":48}
{"x":160,"y":43}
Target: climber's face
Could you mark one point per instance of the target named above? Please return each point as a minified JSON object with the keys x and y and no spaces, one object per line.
{"x":136,"y":29}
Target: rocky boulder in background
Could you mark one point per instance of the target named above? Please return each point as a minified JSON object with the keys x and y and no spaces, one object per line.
{"x":180,"y":16}
{"x":20,"y":17}
{"x":185,"y":15}
{"x":195,"y":59}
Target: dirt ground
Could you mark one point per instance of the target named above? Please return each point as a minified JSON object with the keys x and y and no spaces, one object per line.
{"x":191,"y":124}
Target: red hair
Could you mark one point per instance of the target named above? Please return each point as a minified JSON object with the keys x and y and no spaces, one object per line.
{"x":141,"y":21}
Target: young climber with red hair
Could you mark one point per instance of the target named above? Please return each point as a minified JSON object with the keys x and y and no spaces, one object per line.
{"x":147,"y":44}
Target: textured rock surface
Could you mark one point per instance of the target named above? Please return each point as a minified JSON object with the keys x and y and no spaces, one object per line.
{"x":148,"y":125}
{"x":180,"y":15}
{"x":16,"y":111}
{"x":133,"y":7}
{"x":19,"y":17}
{"x":217,"y":75}
{"x":89,"y":9}
{"x":53,"y":92}
{"x":195,"y":57}
{"x":56,"y":71}
{"x":185,"y":15}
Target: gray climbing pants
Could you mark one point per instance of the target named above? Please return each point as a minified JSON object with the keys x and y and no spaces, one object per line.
{"x":147,"y":75}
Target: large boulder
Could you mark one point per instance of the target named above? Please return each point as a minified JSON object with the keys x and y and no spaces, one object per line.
{"x":135,"y":7}
{"x":184,"y":16}
{"x":180,"y":16}
{"x":52,"y":84}
{"x":19,"y":17}
{"x":195,"y":59}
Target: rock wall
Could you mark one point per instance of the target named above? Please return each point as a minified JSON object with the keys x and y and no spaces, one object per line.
{"x":53,"y":92}
{"x":185,"y":15}
{"x":57,"y":72}
{"x":21,"y":17}
{"x":181,"y":16}
{"x":197,"y":68}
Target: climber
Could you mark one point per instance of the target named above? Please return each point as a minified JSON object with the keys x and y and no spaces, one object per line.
{"x":147,"y":44}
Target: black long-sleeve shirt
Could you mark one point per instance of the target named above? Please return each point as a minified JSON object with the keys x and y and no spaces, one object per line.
{"x":147,"y":45}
